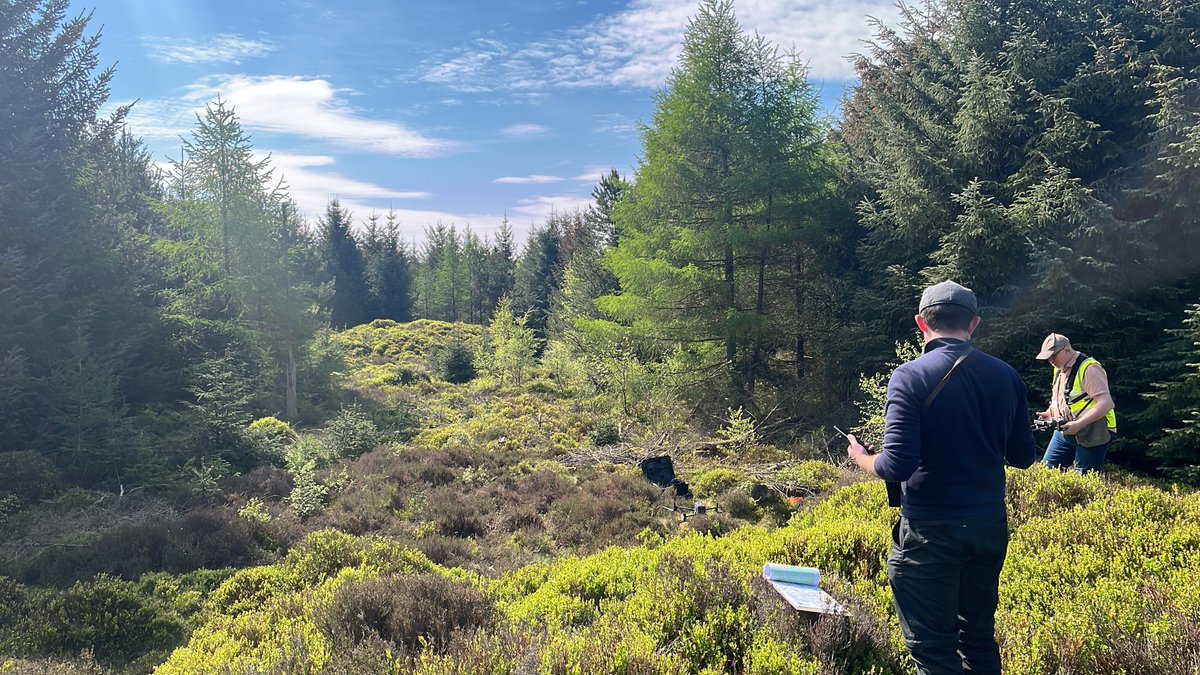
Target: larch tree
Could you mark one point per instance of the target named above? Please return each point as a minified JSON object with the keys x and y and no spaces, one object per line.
{"x":708,"y":234}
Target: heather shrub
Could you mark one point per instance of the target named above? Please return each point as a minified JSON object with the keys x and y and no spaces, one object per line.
{"x":85,"y":664}
{"x":412,"y":612}
{"x":738,"y":504}
{"x":446,"y":551}
{"x":201,"y":539}
{"x":457,"y":514}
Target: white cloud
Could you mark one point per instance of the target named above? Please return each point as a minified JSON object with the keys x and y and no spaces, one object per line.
{"x":161,"y":119}
{"x":617,"y":124}
{"x":537,"y":208}
{"x":525,"y":130}
{"x":466,"y":73}
{"x":221,"y":48}
{"x":527,"y":180}
{"x":312,"y":188}
{"x":313,"y":108}
{"x":312,"y":185}
{"x":639,"y":45}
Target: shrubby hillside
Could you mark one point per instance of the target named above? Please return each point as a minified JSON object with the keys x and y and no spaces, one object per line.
{"x":235,"y":441}
{"x":507,"y":529}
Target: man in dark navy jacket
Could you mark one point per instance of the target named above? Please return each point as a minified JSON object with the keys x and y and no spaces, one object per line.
{"x":948,"y":446}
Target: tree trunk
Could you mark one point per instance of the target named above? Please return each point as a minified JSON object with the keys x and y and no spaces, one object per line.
{"x":292,"y":409}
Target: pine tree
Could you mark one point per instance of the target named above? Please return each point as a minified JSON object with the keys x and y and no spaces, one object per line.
{"x":1173,"y":408}
{"x":67,"y":255}
{"x":585,"y":279}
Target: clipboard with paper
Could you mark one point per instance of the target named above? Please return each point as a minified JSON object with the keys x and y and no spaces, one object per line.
{"x":801,"y":588}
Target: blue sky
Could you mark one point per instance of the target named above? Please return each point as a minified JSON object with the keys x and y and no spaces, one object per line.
{"x":446,"y":111}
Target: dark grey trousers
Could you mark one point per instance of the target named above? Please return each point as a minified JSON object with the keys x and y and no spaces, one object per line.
{"x":944,"y":577}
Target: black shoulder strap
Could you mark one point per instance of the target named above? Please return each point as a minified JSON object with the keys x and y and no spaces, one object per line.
{"x":946,"y":378}
{"x":1070,"y":385}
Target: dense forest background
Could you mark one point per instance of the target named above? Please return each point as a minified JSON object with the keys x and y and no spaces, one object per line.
{"x":763,"y":257}
{"x":270,"y":442}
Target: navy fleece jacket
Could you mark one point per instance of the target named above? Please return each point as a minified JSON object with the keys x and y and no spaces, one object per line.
{"x":951,"y":457}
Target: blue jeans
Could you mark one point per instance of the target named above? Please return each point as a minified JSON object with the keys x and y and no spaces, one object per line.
{"x":1063,"y":450}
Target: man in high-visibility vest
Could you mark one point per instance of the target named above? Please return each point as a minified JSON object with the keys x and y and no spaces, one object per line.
{"x":1081,"y":401}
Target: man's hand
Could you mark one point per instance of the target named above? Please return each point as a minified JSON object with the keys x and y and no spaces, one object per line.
{"x":1047,"y":414}
{"x":1073,"y":427}
{"x":862,"y":456}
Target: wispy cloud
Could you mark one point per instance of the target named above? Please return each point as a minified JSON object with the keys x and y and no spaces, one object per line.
{"x":537,"y":208}
{"x":221,"y":48}
{"x":616,"y":123}
{"x":467,"y":73}
{"x":527,"y":180}
{"x":639,"y":45}
{"x":311,"y":182}
{"x":525,"y":131}
{"x":315,"y":109}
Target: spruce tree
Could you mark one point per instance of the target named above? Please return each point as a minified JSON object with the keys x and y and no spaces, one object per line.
{"x":348,"y":305}
{"x":1044,"y":158}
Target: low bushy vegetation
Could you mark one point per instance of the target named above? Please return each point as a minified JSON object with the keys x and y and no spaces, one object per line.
{"x":691,"y":604}
{"x":514,"y":533}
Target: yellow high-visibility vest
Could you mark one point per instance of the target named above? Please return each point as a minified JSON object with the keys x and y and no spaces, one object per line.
{"x":1078,"y":400}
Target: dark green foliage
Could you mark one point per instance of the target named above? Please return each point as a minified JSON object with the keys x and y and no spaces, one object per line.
{"x":1044,"y":158}
{"x":351,"y":433}
{"x":1174,"y":403}
{"x":204,"y":539}
{"x":606,"y":433}
{"x":540,"y":270}
{"x":29,"y":477}
{"x":75,"y":315}
{"x":106,"y":616}
{"x":407,"y":611}
{"x":388,"y":270}
{"x":222,"y":393}
{"x":719,"y":232}
{"x":457,"y":364}
{"x":349,"y":304}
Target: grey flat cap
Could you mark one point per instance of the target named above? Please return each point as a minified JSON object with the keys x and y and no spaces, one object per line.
{"x":948,"y":293}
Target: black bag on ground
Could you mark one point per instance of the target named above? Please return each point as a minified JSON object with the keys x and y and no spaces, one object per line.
{"x":661,"y":471}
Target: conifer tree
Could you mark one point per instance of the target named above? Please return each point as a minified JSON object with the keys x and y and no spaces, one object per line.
{"x":68,"y":267}
{"x":585,"y":279}
{"x":539,"y":273}
{"x":709,"y":229}
{"x":343,"y":260}
{"x":388,"y":270}
{"x":1044,"y":158}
